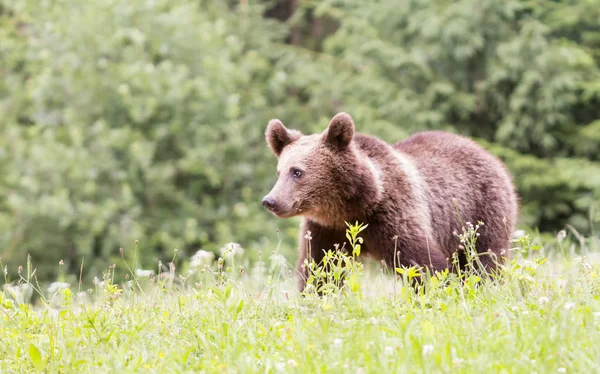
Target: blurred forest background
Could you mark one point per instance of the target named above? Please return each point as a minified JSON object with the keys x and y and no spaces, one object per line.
{"x":144,"y":119}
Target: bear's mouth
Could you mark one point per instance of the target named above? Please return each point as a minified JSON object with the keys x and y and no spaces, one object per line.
{"x":295,"y":210}
{"x":285,"y":214}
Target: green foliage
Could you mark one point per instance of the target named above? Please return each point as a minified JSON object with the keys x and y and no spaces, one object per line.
{"x":338,"y":271}
{"x":144,"y":119}
{"x":153,"y":131}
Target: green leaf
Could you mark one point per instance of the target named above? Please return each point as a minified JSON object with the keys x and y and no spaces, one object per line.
{"x":36,"y":357}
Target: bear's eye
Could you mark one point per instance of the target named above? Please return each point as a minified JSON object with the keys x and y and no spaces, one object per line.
{"x":296,"y":173}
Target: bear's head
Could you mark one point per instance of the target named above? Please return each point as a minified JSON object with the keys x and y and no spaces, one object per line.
{"x":320,"y":176}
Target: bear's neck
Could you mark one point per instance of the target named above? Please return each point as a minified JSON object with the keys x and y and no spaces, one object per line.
{"x":357,"y":198}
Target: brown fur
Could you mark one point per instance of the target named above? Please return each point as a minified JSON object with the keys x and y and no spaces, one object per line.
{"x":409,"y":193}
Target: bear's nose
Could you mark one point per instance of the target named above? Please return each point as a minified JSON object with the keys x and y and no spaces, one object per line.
{"x":268,"y":203}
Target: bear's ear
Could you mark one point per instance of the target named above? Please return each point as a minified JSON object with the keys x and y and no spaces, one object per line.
{"x":340,"y":132}
{"x":278,"y":136}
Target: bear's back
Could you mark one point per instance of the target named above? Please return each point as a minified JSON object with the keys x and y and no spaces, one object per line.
{"x":461,"y":175}
{"x":449,"y":156}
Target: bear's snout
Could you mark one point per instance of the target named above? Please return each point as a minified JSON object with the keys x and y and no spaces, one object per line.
{"x":269,"y":203}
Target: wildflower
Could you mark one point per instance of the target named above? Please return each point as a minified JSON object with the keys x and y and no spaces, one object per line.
{"x":202,"y":257}
{"x":232,"y":249}
{"x":143,"y":273}
{"x":338,"y":342}
{"x":569,"y":305}
{"x":308,"y":236}
{"x":427,"y":349}
{"x":562,"y":234}
{"x":543,"y":300}
{"x":562,"y":370}
{"x":292,"y":362}
{"x":388,"y":351}
{"x":61,"y":263}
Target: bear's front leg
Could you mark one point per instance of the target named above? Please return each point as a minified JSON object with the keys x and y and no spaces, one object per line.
{"x":314,"y":241}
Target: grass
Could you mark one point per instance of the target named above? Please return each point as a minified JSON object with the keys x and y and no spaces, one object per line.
{"x":542,"y":316}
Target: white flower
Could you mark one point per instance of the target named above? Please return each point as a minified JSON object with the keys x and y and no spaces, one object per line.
{"x":143,"y":273}
{"x":427,"y":349}
{"x":569,"y":305}
{"x":292,"y":362}
{"x":280,"y":366}
{"x":232,"y":249}
{"x":543,"y":300}
{"x":337,"y":342}
{"x":202,"y":257}
{"x":388,"y":351}
{"x":562,"y":370}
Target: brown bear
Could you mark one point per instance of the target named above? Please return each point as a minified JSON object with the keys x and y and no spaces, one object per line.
{"x":415,"y":195}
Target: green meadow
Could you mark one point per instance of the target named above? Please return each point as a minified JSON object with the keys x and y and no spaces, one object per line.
{"x":540,"y":314}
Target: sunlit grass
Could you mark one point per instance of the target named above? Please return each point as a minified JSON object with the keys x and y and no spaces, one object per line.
{"x":543,"y":315}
